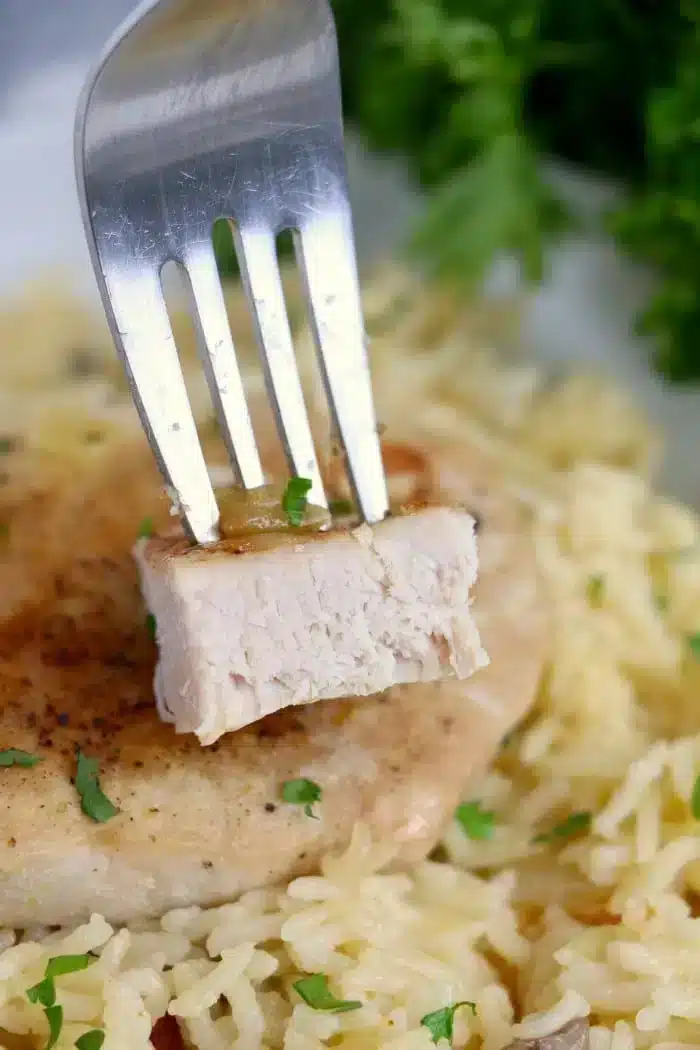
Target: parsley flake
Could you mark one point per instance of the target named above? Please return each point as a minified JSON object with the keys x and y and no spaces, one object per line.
{"x":294,"y":500}
{"x":61,"y":964}
{"x":93,"y":802}
{"x":11,"y":756}
{"x":694,"y":644}
{"x":145,"y":529}
{"x":440,"y":1023}
{"x":43,"y":993}
{"x":151,"y":626}
{"x":302,"y":792}
{"x":575,"y":824}
{"x":92,"y":1040}
{"x":54,"y":1015}
{"x":695,"y":800}
{"x":595,"y":590}
{"x":475,"y":822}
{"x":315,"y":992}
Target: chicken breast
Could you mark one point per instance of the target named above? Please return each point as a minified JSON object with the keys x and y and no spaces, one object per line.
{"x":197,"y":825}
{"x":248,"y":628}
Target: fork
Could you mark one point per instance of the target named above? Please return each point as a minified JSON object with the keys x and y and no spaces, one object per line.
{"x":206,"y":109}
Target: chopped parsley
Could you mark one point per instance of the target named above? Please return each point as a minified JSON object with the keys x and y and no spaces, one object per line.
{"x":61,"y":964}
{"x":340,"y":507}
{"x":145,"y":529}
{"x":44,"y":994}
{"x":151,"y":626}
{"x":302,"y":792}
{"x":54,"y":1015}
{"x":440,"y":1023}
{"x":11,"y":756}
{"x":92,"y":1040}
{"x":475,"y":822}
{"x":93,"y":801}
{"x":694,"y":644}
{"x":575,"y":824}
{"x":294,"y":500}
{"x":595,"y":590}
{"x":695,"y":799}
{"x":315,"y":992}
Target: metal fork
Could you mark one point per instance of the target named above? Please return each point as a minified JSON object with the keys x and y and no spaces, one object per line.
{"x":201,"y":109}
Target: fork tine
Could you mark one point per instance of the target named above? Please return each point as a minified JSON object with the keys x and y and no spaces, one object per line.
{"x":143,"y":335}
{"x":260,"y":274}
{"x":220,"y":364}
{"x":326,"y":254}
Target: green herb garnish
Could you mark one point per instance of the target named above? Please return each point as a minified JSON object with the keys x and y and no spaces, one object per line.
{"x":61,"y":964}
{"x":340,"y":508}
{"x":695,"y":799}
{"x":145,"y":529}
{"x":315,"y":992}
{"x":661,"y":602}
{"x":302,"y":792}
{"x":92,"y":1040}
{"x":93,"y":801}
{"x":595,"y":589}
{"x":7,"y":445}
{"x":440,"y":1023}
{"x":151,"y":625}
{"x":475,"y":822}
{"x":575,"y":824}
{"x":54,"y":1015}
{"x":294,"y":500}
{"x":694,"y":644}
{"x":11,"y":756}
{"x":43,"y":993}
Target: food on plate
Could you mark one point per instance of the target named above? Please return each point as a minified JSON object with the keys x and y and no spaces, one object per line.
{"x":560,"y":907}
{"x":193,"y":825}
{"x":275,"y":618}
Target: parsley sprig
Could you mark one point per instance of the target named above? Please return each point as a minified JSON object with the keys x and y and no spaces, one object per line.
{"x":302,"y":792}
{"x":440,"y":1023}
{"x":315,"y":992}
{"x":44,"y":994}
{"x":93,"y":801}
{"x":294,"y":500}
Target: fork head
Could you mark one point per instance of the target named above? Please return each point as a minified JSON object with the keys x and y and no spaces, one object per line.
{"x":202,"y":109}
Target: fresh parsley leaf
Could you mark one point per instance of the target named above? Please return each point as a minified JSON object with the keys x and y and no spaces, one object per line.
{"x":695,"y":799}
{"x":440,"y":1023}
{"x":694,"y":644}
{"x":61,"y":964}
{"x":145,"y":529}
{"x":595,"y":590}
{"x":302,"y":792}
{"x":340,"y":507}
{"x":151,"y":625}
{"x":43,"y":993}
{"x":11,"y":756}
{"x":294,"y":500}
{"x":315,"y":992}
{"x":92,"y":1040}
{"x":575,"y":824}
{"x":93,"y":802}
{"x":54,"y":1015}
{"x":475,"y":822}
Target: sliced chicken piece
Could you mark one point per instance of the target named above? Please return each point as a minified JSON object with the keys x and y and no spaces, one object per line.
{"x":247,"y":627}
{"x":198,"y":825}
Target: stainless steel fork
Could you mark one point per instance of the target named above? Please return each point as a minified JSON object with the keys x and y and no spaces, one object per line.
{"x":201,"y":109}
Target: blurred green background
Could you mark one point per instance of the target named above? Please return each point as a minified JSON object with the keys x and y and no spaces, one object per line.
{"x":476,"y":93}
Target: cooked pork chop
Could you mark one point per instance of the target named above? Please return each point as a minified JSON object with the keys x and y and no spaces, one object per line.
{"x":247,"y":627}
{"x":197,"y":825}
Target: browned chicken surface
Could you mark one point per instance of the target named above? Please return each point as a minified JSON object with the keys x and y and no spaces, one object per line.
{"x":197,"y":825}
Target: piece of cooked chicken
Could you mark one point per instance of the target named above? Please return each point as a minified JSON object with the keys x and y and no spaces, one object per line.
{"x":249,"y":626}
{"x":197,"y":825}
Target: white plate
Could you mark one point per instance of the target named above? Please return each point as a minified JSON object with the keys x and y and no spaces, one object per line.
{"x":581,"y":316}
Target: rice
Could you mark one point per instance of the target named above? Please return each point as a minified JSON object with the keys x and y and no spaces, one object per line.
{"x":534,"y":926}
